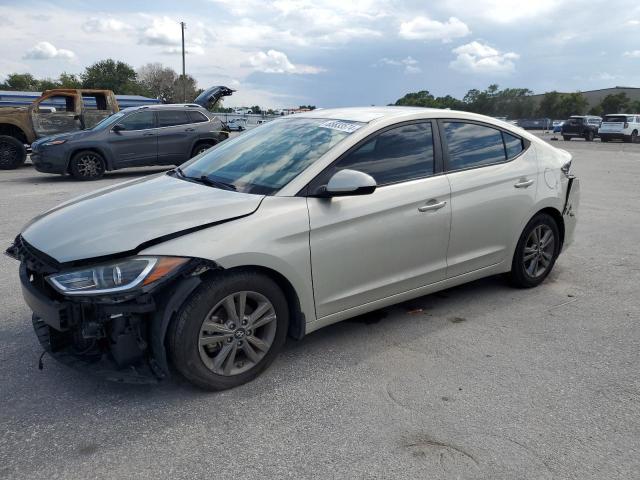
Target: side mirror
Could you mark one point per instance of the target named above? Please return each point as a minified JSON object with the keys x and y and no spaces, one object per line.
{"x":118,"y":127}
{"x":349,"y":182}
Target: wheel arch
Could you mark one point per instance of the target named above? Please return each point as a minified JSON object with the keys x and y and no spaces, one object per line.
{"x":557,"y":217}
{"x":12,"y":130}
{"x":92,"y":148}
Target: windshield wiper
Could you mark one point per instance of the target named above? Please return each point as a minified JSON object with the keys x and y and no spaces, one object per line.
{"x":205,"y":180}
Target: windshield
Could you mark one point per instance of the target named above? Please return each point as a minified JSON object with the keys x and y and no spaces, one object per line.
{"x":265,"y":159}
{"x":105,"y":122}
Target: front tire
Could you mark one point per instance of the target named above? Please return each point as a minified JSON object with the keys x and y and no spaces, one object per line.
{"x":12,"y":153}
{"x":87,"y":165}
{"x":201,"y":148}
{"x":536,"y":252}
{"x":229,"y":330}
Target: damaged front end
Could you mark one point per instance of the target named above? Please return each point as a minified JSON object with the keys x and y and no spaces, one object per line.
{"x":99,"y":318}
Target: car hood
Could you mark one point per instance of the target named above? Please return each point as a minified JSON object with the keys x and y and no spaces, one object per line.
{"x":123,"y":217}
{"x":60,"y":136}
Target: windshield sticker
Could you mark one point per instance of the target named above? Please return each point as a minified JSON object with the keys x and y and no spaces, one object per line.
{"x":340,"y":125}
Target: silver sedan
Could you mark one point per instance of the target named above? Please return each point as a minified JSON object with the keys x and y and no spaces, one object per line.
{"x":297,"y":224}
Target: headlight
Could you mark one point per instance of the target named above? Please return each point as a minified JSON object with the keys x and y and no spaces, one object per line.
{"x":54,"y":142}
{"x":114,"y":277}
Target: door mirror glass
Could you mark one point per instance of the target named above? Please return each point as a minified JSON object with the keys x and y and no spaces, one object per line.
{"x":349,"y":182}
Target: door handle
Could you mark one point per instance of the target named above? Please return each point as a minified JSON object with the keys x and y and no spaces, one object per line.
{"x":432,"y":206}
{"x":148,"y":134}
{"x":524,"y":184}
{"x":189,"y":129}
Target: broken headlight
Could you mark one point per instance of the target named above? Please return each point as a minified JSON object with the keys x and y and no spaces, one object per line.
{"x":114,"y":277}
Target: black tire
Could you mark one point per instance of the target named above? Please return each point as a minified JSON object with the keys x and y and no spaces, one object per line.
{"x":589,"y":136}
{"x":566,"y":138}
{"x":201,"y":147}
{"x":520,"y":275}
{"x":184,"y":336}
{"x":634,"y":136}
{"x":604,"y":139}
{"x":12,"y":153}
{"x":87,"y":165}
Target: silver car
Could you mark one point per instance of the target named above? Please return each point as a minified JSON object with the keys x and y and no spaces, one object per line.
{"x":297,"y":224}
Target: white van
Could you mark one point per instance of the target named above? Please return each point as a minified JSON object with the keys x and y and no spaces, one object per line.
{"x":621,"y":126}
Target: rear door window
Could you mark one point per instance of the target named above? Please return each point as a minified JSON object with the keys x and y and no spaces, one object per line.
{"x":471,"y":145}
{"x":169,"y":118}
{"x":197,"y":117}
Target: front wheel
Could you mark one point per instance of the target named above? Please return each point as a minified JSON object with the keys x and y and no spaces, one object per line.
{"x":201,"y":148}
{"x":87,"y":165}
{"x":229,"y":331}
{"x":536,"y":252}
{"x":12,"y":153}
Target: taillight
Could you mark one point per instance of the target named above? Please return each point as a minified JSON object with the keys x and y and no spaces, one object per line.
{"x":566,"y":168}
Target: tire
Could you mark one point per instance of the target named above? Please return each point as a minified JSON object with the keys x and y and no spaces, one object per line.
{"x":532,"y":272}
{"x":566,"y":138}
{"x":12,"y":153}
{"x":589,"y":136}
{"x":201,"y":147}
{"x":87,"y":165}
{"x":225,"y":361}
{"x":634,"y":136}
{"x":604,"y":139}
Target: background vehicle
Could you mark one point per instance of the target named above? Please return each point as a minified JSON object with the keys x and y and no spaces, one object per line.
{"x":290,"y":227}
{"x":583,"y":126}
{"x":621,"y":126}
{"x":534,"y":123}
{"x":236,"y":125}
{"x":557,"y":126}
{"x":136,"y":136}
{"x":20,"y":126}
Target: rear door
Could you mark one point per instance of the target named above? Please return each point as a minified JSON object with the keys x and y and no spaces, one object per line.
{"x":176,"y":137}
{"x":493,"y":177}
{"x":366,"y":248}
{"x":137,"y":142}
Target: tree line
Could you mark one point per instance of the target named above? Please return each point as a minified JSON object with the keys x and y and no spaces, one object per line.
{"x":518,"y":103}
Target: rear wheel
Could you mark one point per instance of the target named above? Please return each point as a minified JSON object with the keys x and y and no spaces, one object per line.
{"x":87,"y":165}
{"x":12,"y":153}
{"x":536,"y":252}
{"x":201,"y":148}
{"x":589,"y":136}
{"x":229,"y":330}
{"x":566,"y":138}
{"x":634,"y":136}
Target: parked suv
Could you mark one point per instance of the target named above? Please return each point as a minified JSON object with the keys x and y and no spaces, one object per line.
{"x":583,"y":126}
{"x":621,"y":126}
{"x":133,"y":137}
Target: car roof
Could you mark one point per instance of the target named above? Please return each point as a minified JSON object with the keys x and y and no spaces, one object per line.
{"x":165,"y":106}
{"x":364,"y":114}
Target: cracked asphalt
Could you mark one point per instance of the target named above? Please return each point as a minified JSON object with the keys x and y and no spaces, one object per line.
{"x":479,"y":381}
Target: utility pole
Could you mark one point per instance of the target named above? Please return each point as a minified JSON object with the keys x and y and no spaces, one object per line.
{"x":184,"y":76}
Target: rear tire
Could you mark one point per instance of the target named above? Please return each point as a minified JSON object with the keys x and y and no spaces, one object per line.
{"x":634,"y":136}
{"x":589,"y":136}
{"x":536,"y":252}
{"x":566,"y":138}
{"x":215,"y":342}
{"x":87,"y":165}
{"x":12,"y":153}
{"x":201,"y":148}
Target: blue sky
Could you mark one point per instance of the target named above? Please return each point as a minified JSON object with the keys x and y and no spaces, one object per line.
{"x":337,"y":52}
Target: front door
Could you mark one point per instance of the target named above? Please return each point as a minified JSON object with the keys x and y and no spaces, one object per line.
{"x":56,"y":113}
{"x":366,"y":248}
{"x":135,"y":140}
{"x":493,"y":177}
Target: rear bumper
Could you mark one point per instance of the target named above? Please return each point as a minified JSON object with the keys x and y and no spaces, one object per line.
{"x":614,"y":136}
{"x":570,"y":211}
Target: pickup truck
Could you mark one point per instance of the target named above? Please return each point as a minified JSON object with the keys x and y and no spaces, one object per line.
{"x":580,"y":126}
{"x":56,"y":111}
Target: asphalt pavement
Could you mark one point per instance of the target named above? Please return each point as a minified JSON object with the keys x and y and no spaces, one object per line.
{"x":479,"y":381}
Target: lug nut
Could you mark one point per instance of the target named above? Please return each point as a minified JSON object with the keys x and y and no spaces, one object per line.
{"x":239,"y":343}
{"x":232,"y":326}
{"x":244,"y":322}
{"x":229,"y":340}
{"x":248,"y":332}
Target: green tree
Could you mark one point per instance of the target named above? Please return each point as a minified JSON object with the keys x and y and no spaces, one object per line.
{"x":572,"y":104}
{"x":256,"y":109}
{"x":69,"y":80}
{"x":47,"y":84}
{"x":614,"y":103}
{"x":417,"y":99}
{"x":550,"y":105}
{"x":21,"y":82}
{"x":112,"y":75}
{"x":634,"y":107}
{"x":184,"y":89}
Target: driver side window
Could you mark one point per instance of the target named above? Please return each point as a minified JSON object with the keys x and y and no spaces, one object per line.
{"x":139,"y":121}
{"x":396,"y":155}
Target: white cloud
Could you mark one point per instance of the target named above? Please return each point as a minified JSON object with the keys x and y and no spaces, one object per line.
{"x":188,"y":49}
{"x":104,"y":25}
{"x":632,"y":53}
{"x":423,"y":28}
{"x":274,"y":61}
{"x":410,"y":64}
{"x":633,"y":23}
{"x":162,"y":31}
{"x":502,"y":11}
{"x":46,"y":51}
{"x":480,"y":58}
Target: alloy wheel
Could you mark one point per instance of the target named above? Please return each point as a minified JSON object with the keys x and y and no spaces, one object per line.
{"x":538,"y":251}
{"x":237,"y":333}
{"x":8,"y":152}
{"x":89,"y":165}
